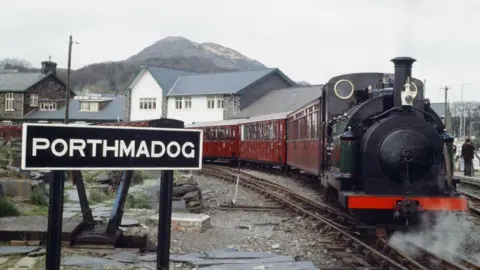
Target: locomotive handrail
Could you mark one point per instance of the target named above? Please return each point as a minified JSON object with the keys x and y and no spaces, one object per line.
{"x":402,"y":108}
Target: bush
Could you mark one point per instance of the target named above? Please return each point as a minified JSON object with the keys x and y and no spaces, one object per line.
{"x":7,"y":208}
{"x":38,"y":196}
{"x":138,"y":177}
{"x":97,"y":196}
{"x":138,"y":200}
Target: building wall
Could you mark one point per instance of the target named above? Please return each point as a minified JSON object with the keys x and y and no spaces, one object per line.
{"x":50,"y":88}
{"x":17,"y":112}
{"x":232,"y":106}
{"x":145,"y":87}
{"x":126,"y":109}
{"x":259,"y":89}
{"x":199,"y":112}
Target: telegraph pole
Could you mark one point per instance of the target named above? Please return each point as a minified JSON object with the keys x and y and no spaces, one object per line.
{"x":445,"y":117}
{"x":67,"y":93}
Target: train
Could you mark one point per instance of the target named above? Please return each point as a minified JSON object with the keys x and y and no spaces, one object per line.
{"x":371,"y":139}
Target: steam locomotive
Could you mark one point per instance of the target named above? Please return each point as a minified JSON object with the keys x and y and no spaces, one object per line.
{"x":372,"y":139}
{"x":389,"y":155}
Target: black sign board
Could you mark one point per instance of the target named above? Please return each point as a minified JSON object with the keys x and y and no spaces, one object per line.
{"x":81,"y":147}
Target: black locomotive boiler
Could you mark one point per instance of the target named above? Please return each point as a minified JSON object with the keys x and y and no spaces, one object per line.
{"x":389,"y":157}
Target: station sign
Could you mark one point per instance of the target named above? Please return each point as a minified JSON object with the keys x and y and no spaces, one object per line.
{"x":80,"y":147}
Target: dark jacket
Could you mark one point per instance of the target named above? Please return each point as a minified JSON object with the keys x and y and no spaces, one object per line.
{"x":467,"y":151}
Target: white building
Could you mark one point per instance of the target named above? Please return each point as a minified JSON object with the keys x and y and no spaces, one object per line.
{"x":197,"y":97}
{"x":146,"y":92}
{"x":220,"y":96}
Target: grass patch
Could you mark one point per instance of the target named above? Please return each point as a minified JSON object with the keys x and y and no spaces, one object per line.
{"x":38,"y":196}
{"x":8,"y":209}
{"x":97,"y":196}
{"x":138,"y":201}
{"x":12,"y":260}
{"x":35,"y":210}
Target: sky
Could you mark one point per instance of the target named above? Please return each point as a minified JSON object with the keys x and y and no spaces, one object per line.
{"x":309,"y":40}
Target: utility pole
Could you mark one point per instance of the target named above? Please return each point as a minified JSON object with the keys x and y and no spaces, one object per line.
{"x":445,"y":116}
{"x":67,"y":92}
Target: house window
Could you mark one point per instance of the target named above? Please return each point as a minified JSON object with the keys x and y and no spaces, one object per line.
{"x":188,"y":102}
{"x":219,"y":103}
{"x":9,"y":102}
{"x":89,"y":106}
{"x":34,"y":100}
{"x":210,"y":103}
{"x":48,"y":106}
{"x":178,"y":103}
{"x":148,"y":103}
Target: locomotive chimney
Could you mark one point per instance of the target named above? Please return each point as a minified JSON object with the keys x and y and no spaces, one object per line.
{"x":403,"y":70}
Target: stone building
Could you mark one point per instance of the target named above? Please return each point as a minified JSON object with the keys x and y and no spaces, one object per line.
{"x":24,"y":93}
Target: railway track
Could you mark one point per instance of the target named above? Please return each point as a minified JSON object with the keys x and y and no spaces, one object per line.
{"x":360,"y":250}
{"x":472,"y":194}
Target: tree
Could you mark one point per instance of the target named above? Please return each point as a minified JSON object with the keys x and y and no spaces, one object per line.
{"x":471,"y":114}
{"x":16,"y":63}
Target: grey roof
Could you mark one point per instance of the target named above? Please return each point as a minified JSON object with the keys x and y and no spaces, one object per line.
{"x":17,"y":82}
{"x":113,"y":111}
{"x":218,"y":83}
{"x":282,"y":100}
{"x":166,"y":77}
{"x":439,"y":108}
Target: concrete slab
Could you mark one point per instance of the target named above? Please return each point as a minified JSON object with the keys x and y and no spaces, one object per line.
{"x":88,"y":261}
{"x":69,"y":214}
{"x":26,"y":262}
{"x":124,"y":257}
{"x":14,"y":250}
{"x":126,"y":222}
{"x":264,"y":266}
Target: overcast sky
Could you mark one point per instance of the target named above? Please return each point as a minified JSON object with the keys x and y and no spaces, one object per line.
{"x":309,"y":40}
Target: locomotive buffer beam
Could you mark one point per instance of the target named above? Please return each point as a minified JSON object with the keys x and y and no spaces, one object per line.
{"x":406,"y":208}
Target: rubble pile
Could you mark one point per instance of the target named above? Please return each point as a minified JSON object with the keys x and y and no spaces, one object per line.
{"x":185,"y":188}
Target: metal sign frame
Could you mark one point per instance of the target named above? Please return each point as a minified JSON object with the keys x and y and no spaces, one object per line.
{"x":73,"y":126}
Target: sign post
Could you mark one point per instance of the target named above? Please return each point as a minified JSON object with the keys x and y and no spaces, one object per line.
{"x":55,"y":220}
{"x":60,"y":148}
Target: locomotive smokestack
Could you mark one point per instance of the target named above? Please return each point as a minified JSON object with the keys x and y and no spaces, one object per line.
{"x":403,"y":70}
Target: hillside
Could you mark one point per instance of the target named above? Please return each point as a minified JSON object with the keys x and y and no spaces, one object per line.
{"x":170,"y":52}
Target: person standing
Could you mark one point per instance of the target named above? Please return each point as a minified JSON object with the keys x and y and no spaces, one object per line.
{"x":467,"y":155}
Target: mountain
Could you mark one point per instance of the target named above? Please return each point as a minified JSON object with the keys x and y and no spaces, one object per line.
{"x":170,"y":52}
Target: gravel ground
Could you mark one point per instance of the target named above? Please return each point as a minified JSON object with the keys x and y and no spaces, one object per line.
{"x":277,"y":231}
{"x":309,"y":189}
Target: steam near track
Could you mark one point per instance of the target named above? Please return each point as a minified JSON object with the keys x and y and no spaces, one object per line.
{"x":453,"y":233}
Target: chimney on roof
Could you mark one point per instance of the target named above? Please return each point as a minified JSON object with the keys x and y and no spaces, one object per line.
{"x":49,"y":66}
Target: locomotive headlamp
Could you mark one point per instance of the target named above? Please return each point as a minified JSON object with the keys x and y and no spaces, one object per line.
{"x":409,"y":93}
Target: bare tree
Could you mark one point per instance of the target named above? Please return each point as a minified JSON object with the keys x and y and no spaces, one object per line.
{"x":16,"y":63}
{"x":471,"y":114}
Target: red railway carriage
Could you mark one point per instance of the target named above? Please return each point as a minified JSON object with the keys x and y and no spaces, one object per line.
{"x":304,"y":137}
{"x":220,"y":139}
{"x":262,"y":139}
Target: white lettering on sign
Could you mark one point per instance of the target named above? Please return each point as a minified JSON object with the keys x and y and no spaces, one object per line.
{"x":153,"y":149}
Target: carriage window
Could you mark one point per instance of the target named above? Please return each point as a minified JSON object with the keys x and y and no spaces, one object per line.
{"x":274,"y":131}
{"x":309,"y":126}
{"x":227,"y":133}
{"x":280,"y":134}
{"x":270,"y":132}
{"x":233,"y":133}
{"x":314,"y":125}
{"x":220,"y":134}
{"x":208,"y":135}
